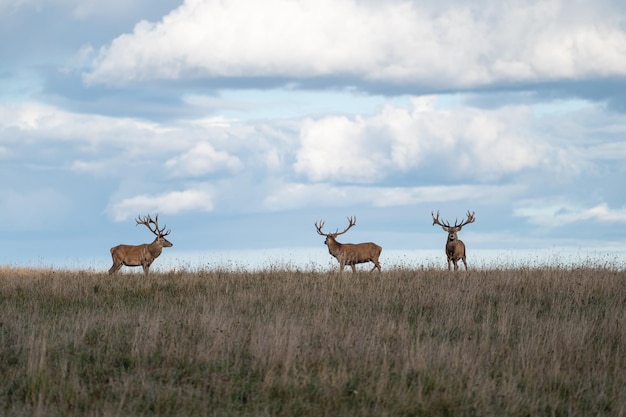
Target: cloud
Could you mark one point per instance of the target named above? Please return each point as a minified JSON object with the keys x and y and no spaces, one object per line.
{"x":393,"y":157}
{"x":202,"y":159}
{"x":44,"y":122}
{"x":297,"y":195}
{"x":425,"y":141}
{"x":398,"y":42}
{"x":559,"y":212}
{"x":462,"y":143}
{"x":341,"y":149}
{"x":198,"y":199}
{"x":105,"y":145}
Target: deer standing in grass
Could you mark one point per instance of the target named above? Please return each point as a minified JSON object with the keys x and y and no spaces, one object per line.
{"x":455,"y":248}
{"x":350,"y":253}
{"x":141,"y":255}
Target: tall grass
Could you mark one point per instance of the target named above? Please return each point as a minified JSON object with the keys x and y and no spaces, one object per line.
{"x":522,"y":342}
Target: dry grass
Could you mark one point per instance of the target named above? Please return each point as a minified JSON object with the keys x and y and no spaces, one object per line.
{"x":520,"y":342}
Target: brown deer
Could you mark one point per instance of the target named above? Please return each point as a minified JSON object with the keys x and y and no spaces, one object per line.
{"x":141,"y":255}
{"x":455,"y":248}
{"x":350,"y":253}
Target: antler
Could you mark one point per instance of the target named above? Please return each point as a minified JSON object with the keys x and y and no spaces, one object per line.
{"x":351,"y":222}
{"x":436,"y":221}
{"x":319,"y":228}
{"x":446,"y":225}
{"x":470,"y":219}
{"x":147,"y":221}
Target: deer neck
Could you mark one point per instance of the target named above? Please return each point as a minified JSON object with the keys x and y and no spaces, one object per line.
{"x":334,"y":247}
{"x":452,"y":242}
{"x":155,"y":248}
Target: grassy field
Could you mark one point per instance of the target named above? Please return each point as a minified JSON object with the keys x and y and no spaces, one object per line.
{"x":274,"y":342}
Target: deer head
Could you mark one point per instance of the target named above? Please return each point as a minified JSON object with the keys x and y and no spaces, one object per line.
{"x":158,"y":232}
{"x":452,"y":230}
{"x":333,"y":236}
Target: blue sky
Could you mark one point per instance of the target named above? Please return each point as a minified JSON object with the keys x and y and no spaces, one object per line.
{"x":243,"y":122}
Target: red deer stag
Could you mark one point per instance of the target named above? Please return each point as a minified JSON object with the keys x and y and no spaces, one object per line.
{"x":141,"y":255}
{"x":455,"y":248}
{"x":350,"y":253}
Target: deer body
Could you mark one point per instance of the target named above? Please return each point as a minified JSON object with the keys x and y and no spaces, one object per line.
{"x":455,"y":251}
{"x":354,"y":253}
{"x":140,"y":255}
{"x":351,"y":253}
{"x":455,"y":248}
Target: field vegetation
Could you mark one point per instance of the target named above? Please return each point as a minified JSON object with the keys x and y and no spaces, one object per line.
{"x":547,"y":341}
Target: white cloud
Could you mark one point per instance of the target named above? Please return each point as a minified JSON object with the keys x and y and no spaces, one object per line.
{"x":398,"y":41}
{"x":603,"y":213}
{"x":560,"y":212}
{"x":199,"y":199}
{"x":341,"y":149}
{"x":202,"y":159}
{"x":116,"y":146}
{"x":297,"y":196}
{"x":465,"y":143}
{"x":421,"y":139}
{"x":48,"y":123}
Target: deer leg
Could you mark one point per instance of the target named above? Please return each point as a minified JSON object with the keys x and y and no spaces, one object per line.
{"x":353,"y":267}
{"x":456,"y":266}
{"x":464,"y":263}
{"x":376,"y":265}
{"x":116,"y":267}
{"x":146,"y":267}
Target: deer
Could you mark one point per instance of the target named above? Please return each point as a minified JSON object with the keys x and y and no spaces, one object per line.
{"x":455,"y":248}
{"x":141,"y":255}
{"x":350,"y":253}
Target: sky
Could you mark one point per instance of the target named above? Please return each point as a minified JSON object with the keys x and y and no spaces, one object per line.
{"x":242,"y":123}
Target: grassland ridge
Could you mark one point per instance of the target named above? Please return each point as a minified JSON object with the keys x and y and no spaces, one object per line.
{"x":521,"y":341}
